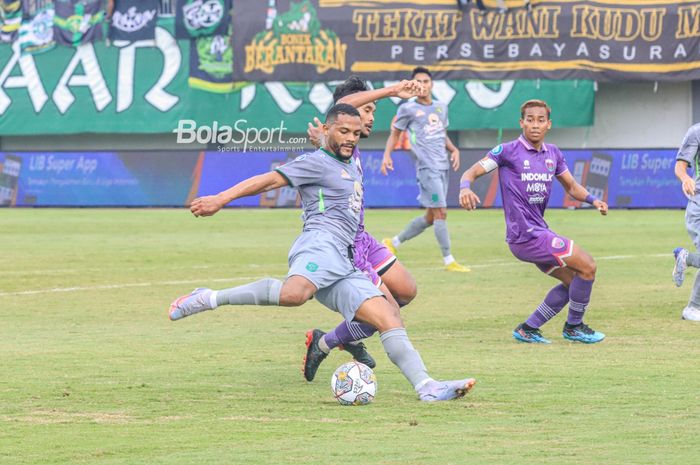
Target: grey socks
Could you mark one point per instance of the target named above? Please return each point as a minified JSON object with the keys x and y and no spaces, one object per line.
{"x":415,"y":227}
{"x":403,"y":355}
{"x":442,"y":236}
{"x":263,"y":292}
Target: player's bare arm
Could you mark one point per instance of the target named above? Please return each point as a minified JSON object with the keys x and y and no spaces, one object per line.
{"x":578,"y":192}
{"x":210,"y":204}
{"x":387,"y":162}
{"x":453,"y":151}
{"x":687,"y":182}
{"x":467,"y":198}
{"x":403,"y":90}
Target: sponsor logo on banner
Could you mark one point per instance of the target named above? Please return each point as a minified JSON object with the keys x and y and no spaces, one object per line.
{"x":549,"y":164}
{"x":296,"y":37}
{"x":132,"y":20}
{"x":558,"y":243}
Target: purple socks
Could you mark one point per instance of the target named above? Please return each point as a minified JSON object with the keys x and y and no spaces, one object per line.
{"x":579,"y":297}
{"x":347,"y":332}
{"x":556,"y":299}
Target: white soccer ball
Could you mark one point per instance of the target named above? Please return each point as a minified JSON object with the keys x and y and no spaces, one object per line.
{"x":354,"y":383}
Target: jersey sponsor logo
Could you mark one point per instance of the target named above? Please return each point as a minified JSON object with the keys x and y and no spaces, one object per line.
{"x":528,"y":177}
{"x":536,"y":199}
{"x":434,"y":125}
{"x":497,"y":150}
{"x":355,"y":199}
{"x":311,"y":266}
{"x":558,"y":243}
{"x":526,"y":165}
{"x":549,"y":163}
{"x":344,"y":174}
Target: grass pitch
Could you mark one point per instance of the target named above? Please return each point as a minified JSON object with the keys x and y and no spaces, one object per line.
{"x":93,"y":372}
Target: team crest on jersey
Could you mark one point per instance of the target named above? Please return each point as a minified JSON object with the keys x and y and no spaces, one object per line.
{"x":497,"y":150}
{"x":549,"y":163}
{"x":558,"y":243}
{"x":344,"y":174}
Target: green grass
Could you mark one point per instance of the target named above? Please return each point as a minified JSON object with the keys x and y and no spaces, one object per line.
{"x":92,"y":371}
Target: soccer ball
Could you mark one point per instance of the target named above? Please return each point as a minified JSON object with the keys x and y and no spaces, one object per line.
{"x":354,"y":383}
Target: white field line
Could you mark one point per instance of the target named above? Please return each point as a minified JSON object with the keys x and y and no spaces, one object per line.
{"x":251,"y":278}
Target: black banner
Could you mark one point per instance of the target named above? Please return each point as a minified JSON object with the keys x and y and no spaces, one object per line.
{"x":605,"y":40}
{"x":134,"y":20}
{"x":197,"y":18}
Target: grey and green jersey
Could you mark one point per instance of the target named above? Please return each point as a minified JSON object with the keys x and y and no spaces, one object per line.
{"x":427,"y":127}
{"x":690,"y":153}
{"x":331,"y":193}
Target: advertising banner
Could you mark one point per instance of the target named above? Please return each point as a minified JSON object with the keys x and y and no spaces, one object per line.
{"x":623,"y":178}
{"x":605,"y":40}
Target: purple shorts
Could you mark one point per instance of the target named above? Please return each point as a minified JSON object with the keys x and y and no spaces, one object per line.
{"x":372,"y":257}
{"x":547,"y":250}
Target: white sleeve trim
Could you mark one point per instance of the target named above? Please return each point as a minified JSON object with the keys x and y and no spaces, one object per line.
{"x":488,"y":164}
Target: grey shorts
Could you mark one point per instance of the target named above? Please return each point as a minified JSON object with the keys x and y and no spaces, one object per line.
{"x":692,"y":222}
{"x":317,"y":256}
{"x":433,"y":187}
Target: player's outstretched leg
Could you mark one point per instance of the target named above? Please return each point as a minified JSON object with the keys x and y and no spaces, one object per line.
{"x":414,"y":228}
{"x":345,"y":336}
{"x":579,"y":297}
{"x":529,"y":331}
{"x":293,"y":292}
{"x":383,"y":316}
{"x":442,"y":236}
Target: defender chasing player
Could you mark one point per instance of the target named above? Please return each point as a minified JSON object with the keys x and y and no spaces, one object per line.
{"x":526,"y":168}
{"x":320,"y":260}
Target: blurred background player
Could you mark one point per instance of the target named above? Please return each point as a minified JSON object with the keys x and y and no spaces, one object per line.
{"x":689,"y":155}
{"x":370,"y":255}
{"x":426,"y":120}
{"x":526,"y":168}
{"x":320,"y":260}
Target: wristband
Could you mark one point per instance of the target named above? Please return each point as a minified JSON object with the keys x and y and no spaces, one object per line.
{"x":465,"y":185}
{"x":590,"y":199}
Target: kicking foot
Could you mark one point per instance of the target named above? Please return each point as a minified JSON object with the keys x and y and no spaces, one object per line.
{"x":194,"y":302}
{"x":359,"y":353}
{"x":435,"y":391}
{"x":582,"y":333}
{"x":314,"y":355}
{"x":532,"y":336}
{"x":679,"y":268}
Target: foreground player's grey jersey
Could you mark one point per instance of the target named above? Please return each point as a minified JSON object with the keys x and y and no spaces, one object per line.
{"x":427,"y":126}
{"x":331,"y":193}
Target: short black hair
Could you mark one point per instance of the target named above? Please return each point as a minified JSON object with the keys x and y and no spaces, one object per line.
{"x":419,"y":70}
{"x":352,"y":85}
{"x":340,"y":109}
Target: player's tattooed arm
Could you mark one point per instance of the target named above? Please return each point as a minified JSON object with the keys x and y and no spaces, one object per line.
{"x":467,"y":197}
{"x":210,"y":204}
{"x":403,"y":90}
{"x":578,"y":192}
{"x":687,"y":182}
{"x":453,"y":151}
{"x":387,"y":162}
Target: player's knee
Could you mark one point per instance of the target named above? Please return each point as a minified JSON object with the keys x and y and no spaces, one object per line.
{"x":589,"y":269}
{"x":406,"y":293}
{"x":294,"y":296}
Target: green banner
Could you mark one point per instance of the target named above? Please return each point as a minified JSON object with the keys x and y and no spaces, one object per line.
{"x":145,"y":87}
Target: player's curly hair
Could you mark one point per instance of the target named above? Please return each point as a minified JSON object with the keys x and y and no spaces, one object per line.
{"x":352,"y":85}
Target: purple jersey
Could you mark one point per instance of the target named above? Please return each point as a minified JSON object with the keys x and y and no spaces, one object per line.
{"x":525,"y":176}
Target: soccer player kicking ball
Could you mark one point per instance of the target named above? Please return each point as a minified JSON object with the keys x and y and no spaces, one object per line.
{"x":526,"y":168}
{"x":320,"y":261}
{"x":369,"y":256}
{"x":427,"y":121}
{"x":689,"y":155}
